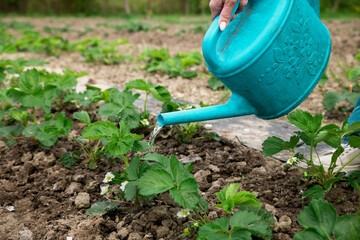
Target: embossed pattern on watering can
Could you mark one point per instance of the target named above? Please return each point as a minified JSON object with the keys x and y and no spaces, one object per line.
{"x":298,"y":55}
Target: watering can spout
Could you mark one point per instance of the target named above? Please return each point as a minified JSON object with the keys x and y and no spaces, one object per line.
{"x":236,"y":106}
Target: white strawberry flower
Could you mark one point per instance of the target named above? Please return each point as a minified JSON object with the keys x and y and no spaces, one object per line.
{"x":292,"y":161}
{"x":183,"y":213}
{"x":108,"y":177}
{"x":104,"y":190}
{"x":123,"y":184}
{"x":76,"y":102}
{"x":145,"y":122}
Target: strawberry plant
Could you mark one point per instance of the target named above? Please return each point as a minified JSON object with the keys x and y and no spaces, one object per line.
{"x":99,"y":51}
{"x":351,"y":94}
{"x":311,"y":133}
{"x":48,"y":132}
{"x":249,"y":220}
{"x":145,"y":178}
{"x":159,"y":92}
{"x":320,"y":221}
{"x":159,"y":60}
{"x":116,"y":142}
{"x":120,"y":106}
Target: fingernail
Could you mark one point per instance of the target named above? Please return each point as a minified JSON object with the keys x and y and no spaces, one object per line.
{"x":222,"y":26}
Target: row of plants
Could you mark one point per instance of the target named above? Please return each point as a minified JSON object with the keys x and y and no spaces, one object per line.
{"x":100,"y":51}
{"x":32,"y":102}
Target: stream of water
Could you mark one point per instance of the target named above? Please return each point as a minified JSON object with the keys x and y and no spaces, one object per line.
{"x":153,"y":135}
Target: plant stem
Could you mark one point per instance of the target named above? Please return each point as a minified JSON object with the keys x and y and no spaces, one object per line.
{"x":82,"y":146}
{"x":206,"y":216}
{"x":34,"y":116}
{"x":145,"y":101}
{"x":346,"y":164}
{"x":201,"y":218}
{"x":125,"y":160}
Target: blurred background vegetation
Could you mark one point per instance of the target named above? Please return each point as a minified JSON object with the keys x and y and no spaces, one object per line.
{"x":119,"y":7}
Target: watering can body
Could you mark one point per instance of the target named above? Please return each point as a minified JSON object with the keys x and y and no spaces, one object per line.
{"x":271,"y":56}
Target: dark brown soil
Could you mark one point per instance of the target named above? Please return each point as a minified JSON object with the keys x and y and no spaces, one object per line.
{"x":44,"y":193}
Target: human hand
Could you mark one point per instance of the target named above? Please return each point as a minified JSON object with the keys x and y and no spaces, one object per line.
{"x":225,"y":8}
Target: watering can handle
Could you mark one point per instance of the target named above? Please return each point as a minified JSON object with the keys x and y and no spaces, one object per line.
{"x":213,"y":34}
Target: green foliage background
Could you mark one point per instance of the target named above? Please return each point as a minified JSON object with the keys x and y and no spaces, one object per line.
{"x":103,"y":7}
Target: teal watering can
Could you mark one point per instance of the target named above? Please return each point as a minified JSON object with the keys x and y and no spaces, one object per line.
{"x":271,"y":57}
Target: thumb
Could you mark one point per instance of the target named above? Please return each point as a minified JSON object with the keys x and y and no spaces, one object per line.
{"x":226,"y":14}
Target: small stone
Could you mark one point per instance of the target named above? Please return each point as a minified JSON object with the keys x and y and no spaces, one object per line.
{"x":259,"y":171}
{"x":190,"y":159}
{"x":112,"y":236}
{"x":10,"y":208}
{"x":26,"y":157}
{"x":201,"y":176}
{"x":59,"y":186}
{"x":162,"y":231}
{"x":284,"y":224}
{"x":74,"y":187}
{"x":135,"y":236}
{"x":25,"y":235}
{"x":82,"y":200}
{"x":80,"y":178}
{"x":39,"y":157}
{"x":214,"y":168}
{"x":271,"y":209}
{"x":123,"y":233}
{"x":213,"y":215}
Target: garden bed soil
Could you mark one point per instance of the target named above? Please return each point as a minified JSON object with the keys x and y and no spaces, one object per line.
{"x":50,"y":201}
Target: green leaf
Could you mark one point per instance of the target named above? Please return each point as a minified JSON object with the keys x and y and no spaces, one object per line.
{"x":161,"y":93}
{"x":354,"y":180}
{"x":316,"y":192}
{"x":178,"y":171}
{"x":217,"y":230}
{"x":98,"y":130}
{"x":246,"y":220}
{"x":140,"y":146}
{"x":308,"y":234}
{"x":155,"y":181}
{"x":130,"y":190}
{"x":215,"y":83}
{"x":29,"y":82}
{"x":186,"y":195}
{"x":82,"y":116}
{"x":306,"y":122}
{"x":102,"y":208}
{"x":272,"y":146}
{"x":353,"y":74}
{"x":139,"y":84}
{"x":132,"y":171}
{"x":319,"y":215}
{"x":331,"y":99}
{"x":68,"y":160}
{"x":117,"y":145}
{"x":156,"y":157}
{"x":347,"y":227}
{"x":46,"y":138}
{"x":20,"y":116}
{"x":62,"y":124}
{"x":247,"y":199}
{"x":10,"y":131}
